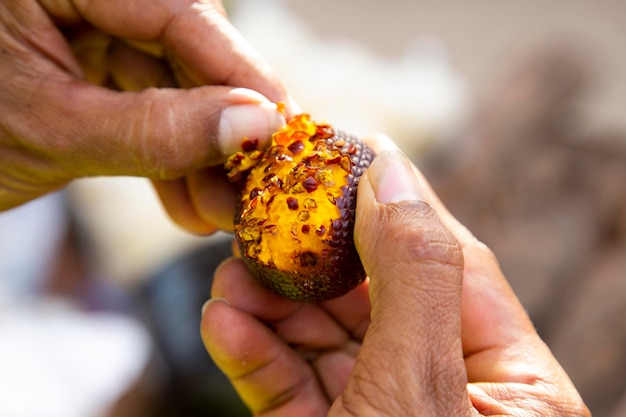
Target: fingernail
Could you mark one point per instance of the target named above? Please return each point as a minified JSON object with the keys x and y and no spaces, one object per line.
{"x":248,"y":121}
{"x":393,"y":180}
{"x":213,"y":300}
{"x":293,"y":106}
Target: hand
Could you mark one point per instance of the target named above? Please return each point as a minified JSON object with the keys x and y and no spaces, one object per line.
{"x":57,"y":122}
{"x":444,"y":335}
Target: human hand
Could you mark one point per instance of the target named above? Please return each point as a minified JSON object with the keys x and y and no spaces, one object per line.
{"x":57,"y":122}
{"x":444,"y":334}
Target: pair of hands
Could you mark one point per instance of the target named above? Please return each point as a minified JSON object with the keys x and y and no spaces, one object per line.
{"x":435,"y":331}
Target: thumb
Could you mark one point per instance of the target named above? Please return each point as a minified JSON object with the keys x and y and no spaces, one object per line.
{"x":411,"y":357}
{"x":159,"y":133}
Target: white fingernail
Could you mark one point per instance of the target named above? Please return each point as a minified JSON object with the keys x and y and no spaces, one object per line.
{"x":252,"y":122}
{"x":393,"y":179}
{"x":213,"y":300}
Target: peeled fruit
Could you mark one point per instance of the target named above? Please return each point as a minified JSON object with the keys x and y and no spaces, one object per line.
{"x":295,"y":212}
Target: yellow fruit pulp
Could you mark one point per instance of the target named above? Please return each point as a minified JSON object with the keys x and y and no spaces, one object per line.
{"x":289,"y":197}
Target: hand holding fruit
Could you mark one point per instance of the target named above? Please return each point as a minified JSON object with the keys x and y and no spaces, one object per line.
{"x":435,"y":331}
{"x":78,"y":98}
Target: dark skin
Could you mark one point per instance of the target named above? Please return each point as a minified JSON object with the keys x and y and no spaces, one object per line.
{"x":436,"y":331}
{"x":57,"y":122}
{"x":166,"y":89}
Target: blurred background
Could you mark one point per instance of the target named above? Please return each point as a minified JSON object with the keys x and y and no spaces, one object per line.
{"x":513,"y":110}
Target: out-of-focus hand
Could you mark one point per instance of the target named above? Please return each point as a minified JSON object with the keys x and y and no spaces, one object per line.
{"x":436,"y":331}
{"x":75,"y":99}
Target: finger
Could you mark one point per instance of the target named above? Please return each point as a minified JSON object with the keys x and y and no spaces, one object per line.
{"x":32,"y":29}
{"x":213,"y":197}
{"x":270,"y":377}
{"x":208,"y":202}
{"x":352,"y":311}
{"x":232,"y":281}
{"x":490,"y":308}
{"x":161,"y":134}
{"x":412,"y":347}
{"x":133,"y":70}
{"x":91,"y":49}
{"x":493,"y":399}
{"x":198,"y":36}
{"x":157,"y":133}
{"x":334,"y":367}
{"x":380,"y":143}
{"x":496,"y":328}
{"x":209,"y":50}
{"x":305,"y":325}
{"x":177,"y":203}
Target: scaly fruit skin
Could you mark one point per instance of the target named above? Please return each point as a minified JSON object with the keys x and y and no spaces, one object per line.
{"x":295,"y":214}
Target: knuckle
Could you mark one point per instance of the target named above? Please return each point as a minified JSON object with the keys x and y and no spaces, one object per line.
{"x":420,"y":235}
{"x":162,"y":146}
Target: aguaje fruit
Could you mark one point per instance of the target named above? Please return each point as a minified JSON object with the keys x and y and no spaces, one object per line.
{"x":296,"y":208}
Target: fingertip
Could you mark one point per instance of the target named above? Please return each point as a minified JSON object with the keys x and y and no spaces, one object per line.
{"x":248,"y":122}
{"x":234,"y":282}
{"x":178,"y":204}
{"x":352,"y":310}
{"x":268,"y":375}
{"x":212,"y":311}
{"x":379,"y":142}
{"x":292,"y":107}
{"x":223,"y":329}
{"x":393,"y":180}
{"x":213,"y":301}
{"x":228,"y":272}
{"x":212,"y":196}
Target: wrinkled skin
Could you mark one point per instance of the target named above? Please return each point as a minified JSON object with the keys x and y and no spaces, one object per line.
{"x":436,"y":331}
{"x":57,"y":122}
